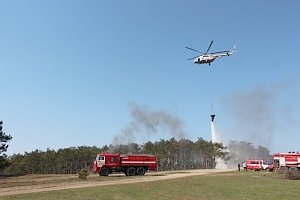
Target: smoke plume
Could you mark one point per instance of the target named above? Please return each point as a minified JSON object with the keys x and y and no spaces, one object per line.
{"x":149,"y":123}
{"x":252,"y":115}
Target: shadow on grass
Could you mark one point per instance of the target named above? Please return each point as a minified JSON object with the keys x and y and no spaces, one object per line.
{"x":11,"y":176}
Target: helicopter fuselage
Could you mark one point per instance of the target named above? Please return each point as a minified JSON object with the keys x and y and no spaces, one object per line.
{"x":204,"y":59}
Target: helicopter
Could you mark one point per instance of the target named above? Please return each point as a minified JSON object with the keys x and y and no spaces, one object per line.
{"x":207,"y":57}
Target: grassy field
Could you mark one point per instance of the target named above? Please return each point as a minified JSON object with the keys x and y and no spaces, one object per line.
{"x":229,"y":185}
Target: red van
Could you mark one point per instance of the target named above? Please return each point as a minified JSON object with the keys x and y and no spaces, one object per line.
{"x":258,"y":165}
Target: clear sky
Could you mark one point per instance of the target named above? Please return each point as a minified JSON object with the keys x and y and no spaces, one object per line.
{"x":71,"y":70}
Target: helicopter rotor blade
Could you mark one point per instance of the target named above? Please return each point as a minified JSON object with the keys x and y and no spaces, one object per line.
{"x":209,"y":47}
{"x":193,"y":49}
{"x":193,"y":58}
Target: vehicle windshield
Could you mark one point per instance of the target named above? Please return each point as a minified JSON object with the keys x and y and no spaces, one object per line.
{"x":99,"y":158}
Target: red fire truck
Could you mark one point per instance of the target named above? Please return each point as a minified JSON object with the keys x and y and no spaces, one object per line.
{"x":131,"y":165}
{"x":285,"y":162}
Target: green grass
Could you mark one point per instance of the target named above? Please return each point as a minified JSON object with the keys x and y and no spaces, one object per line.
{"x":230,"y":185}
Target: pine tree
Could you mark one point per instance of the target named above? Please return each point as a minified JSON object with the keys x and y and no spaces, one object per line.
{"x":3,"y":148}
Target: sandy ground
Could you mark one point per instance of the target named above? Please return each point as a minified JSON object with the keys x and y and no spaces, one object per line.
{"x":43,"y":183}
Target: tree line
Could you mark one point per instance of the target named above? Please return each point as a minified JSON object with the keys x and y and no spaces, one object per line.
{"x":171,"y":154}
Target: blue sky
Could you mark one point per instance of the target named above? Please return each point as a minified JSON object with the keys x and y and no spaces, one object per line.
{"x":71,"y":69}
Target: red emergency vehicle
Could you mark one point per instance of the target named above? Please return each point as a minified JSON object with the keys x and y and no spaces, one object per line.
{"x":131,"y":165}
{"x":285,"y":162}
{"x":258,"y":165}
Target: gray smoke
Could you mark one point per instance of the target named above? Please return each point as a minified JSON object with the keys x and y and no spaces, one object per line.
{"x":252,"y":114}
{"x":241,"y":151}
{"x":148,"y":123}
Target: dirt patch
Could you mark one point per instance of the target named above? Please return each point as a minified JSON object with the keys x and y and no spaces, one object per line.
{"x":43,"y":183}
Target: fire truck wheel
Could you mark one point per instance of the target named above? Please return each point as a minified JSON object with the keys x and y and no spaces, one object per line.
{"x":293,"y":169}
{"x":283,"y":170}
{"x":104,"y":172}
{"x":131,"y":171}
{"x":140,"y":171}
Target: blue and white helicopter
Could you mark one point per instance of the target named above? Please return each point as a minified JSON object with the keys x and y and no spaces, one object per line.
{"x":207,"y":57}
